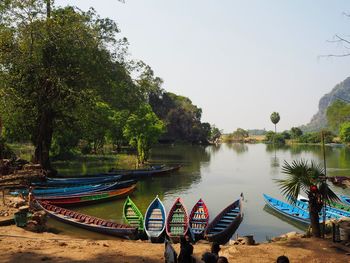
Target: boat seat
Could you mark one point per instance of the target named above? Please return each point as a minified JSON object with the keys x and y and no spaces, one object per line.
{"x":103,"y":223}
{"x":109,"y":224}
{"x":225,"y":220}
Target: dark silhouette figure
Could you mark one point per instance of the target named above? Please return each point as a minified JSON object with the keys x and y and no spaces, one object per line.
{"x":208,"y":257}
{"x":169,"y":253}
{"x":282,"y":259}
{"x":186,"y":251}
{"x":222,"y":260}
{"x":215,"y":248}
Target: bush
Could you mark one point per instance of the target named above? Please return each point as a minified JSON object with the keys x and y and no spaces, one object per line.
{"x":5,"y":151}
{"x":344,"y":132}
{"x":315,"y":137}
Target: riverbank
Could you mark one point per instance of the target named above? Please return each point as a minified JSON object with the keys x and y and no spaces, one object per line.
{"x":18,"y":245}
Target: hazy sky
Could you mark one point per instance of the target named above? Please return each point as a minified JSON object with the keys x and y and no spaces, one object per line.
{"x":237,"y":60}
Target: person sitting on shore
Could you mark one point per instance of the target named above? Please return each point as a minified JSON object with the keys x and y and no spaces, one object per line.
{"x":215,"y":248}
{"x":208,"y":257}
{"x":186,"y":251}
{"x":169,"y":253}
{"x":282,"y":259}
{"x":222,"y":260}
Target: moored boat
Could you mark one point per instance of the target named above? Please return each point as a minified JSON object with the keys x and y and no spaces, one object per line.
{"x":155,"y":218}
{"x":344,"y":199}
{"x":199,"y":219}
{"x":55,"y":182}
{"x":141,"y":173}
{"x":225,"y":224}
{"x":89,"y":222}
{"x":177,"y":221}
{"x":132,"y":214}
{"x":88,"y":198}
{"x":288,"y":210}
{"x":82,"y":189}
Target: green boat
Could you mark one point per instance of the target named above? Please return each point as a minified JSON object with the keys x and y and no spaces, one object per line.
{"x":132,"y":214}
{"x":340,"y":206}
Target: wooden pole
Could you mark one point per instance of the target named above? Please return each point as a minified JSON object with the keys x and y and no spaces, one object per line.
{"x":325,"y":176}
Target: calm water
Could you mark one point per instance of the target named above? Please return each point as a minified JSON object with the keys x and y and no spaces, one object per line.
{"x":218,"y":174}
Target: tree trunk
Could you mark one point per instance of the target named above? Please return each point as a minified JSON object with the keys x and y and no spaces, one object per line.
{"x":314,"y":217}
{"x":43,"y":140}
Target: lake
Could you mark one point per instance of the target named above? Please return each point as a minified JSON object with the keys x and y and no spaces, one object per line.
{"x":218,"y":175}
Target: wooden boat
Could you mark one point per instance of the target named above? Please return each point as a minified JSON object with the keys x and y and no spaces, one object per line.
{"x":155,"y":218}
{"x":199,"y":219}
{"x":132,"y":214}
{"x":177,"y":221}
{"x":89,"y":222}
{"x":344,"y":199}
{"x":288,"y":210}
{"x":140,"y":173}
{"x":82,"y":199}
{"x":225,"y":224}
{"x":331,"y":212}
{"x":82,"y":189}
{"x":54,"y":182}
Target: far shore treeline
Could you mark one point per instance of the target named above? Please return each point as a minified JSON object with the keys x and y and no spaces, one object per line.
{"x":67,"y":84}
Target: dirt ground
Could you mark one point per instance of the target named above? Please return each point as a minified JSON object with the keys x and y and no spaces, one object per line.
{"x":18,"y":245}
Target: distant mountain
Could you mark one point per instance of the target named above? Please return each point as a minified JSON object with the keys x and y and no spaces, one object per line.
{"x":319,"y":120}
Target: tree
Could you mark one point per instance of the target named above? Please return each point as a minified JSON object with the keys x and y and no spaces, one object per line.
{"x":295,"y":132}
{"x":240,"y":134}
{"x":344,"y":132}
{"x":309,"y":178}
{"x":337,"y":113}
{"x":215,"y":134}
{"x":142,"y":129}
{"x":51,"y":65}
{"x":275,"y":118}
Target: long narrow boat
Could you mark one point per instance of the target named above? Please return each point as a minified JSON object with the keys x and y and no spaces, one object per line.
{"x":345,"y":199}
{"x":54,"y":182}
{"x":177,"y":221}
{"x":89,"y":222}
{"x":132,"y":214}
{"x":58,"y":191}
{"x":155,"y":218}
{"x":331,"y":212}
{"x":199,"y":219}
{"x":140,"y":173}
{"x":83,"y":199}
{"x":289,"y":210}
{"x":225,"y":224}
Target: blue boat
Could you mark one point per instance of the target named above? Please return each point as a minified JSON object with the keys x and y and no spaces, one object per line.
{"x":54,"y":182}
{"x":155,"y":219}
{"x":331,"y":212}
{"x":224,"y":225}
{"x":345,"y":199}
{"x":288,"y":210}
{"x":59,"y":191}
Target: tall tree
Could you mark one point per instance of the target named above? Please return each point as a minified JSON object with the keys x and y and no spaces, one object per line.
{"x":142,"y":129}
{"x":49,"y":65}
{"x":309,"y":178}
{"x":275,"y":118}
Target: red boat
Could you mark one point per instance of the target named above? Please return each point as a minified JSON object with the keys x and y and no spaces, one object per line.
{"x":177,"y":221}
{"x":199,"y":219}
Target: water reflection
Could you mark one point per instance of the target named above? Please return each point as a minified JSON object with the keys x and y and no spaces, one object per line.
{"x":239,"y":148}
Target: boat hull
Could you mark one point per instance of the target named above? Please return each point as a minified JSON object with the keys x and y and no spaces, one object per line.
{"x":177,"y":221}
{"x":154,"y":223}
{"x":199,"y":219}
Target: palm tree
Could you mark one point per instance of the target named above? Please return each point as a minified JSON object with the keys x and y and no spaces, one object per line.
{"x":310,"y":178}
{"x":275,"y":118}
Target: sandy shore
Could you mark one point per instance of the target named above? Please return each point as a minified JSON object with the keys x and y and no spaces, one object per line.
{"x":18,"y":245}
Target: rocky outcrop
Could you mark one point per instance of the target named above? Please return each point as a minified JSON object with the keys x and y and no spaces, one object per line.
{"x":319,"y":120}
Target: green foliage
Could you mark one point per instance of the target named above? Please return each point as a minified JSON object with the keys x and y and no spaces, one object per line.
{"x":240,"y":134}
{"x":275,"y":117}
{"x":301,"y":176}
{"x":142,"y":129}
{"x":344,"y":132}
{"x":295,"y":132}
{"x":338,"y":113}
{"x":315,"y":137}
{"x":5,"y":151}
{"x":215,"y":134}
{"x":277,"y":138}
{"x":286,"y":135}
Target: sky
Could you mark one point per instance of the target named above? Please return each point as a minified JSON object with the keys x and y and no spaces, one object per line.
{"x":238,"y":61}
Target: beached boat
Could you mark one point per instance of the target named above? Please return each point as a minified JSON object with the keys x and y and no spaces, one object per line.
{"x":83,"y":199}
{"x":89,"y":222}
{"x":345,"y":199}
{"x":331,"y":212}
{"x":132,"y":214}
{"x":155,"y":218}
{"x":177,"y":221}
{"x":199,"y":219}
{"x":82,"y":189}
{"x":225,"y":224}
{"x":140,"y":173}
{"x":54,"y":182}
